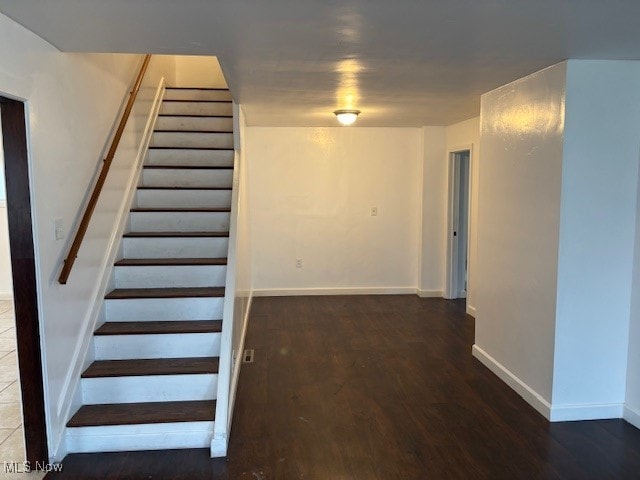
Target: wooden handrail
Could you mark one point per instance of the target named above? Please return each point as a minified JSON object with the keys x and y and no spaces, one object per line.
{"x":93,"y":200}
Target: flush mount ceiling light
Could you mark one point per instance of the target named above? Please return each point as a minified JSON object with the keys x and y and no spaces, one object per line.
{"x":346,"y":117}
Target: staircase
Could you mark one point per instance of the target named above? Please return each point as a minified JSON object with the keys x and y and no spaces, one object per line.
{"x":153,"y":383}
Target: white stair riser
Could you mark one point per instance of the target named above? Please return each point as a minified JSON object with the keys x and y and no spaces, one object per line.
{"x":154,"y":436}
{"x":171,"y":345}
{"x":192,"y":140}
{"x":151,"y":388}
{"x":179,"y":222}
{"x":176,"y":247}
{"x":195,"y":123}
{"x":183,"y":198}
{"x":196,"y":108}
{"x":195,"y":94}
{"x":171,"y":177}
{"x":209,"y":158}
{"x":150,"y":309}
{"x":167,"y":276}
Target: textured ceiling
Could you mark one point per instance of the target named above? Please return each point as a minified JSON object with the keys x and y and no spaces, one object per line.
{"x":402,"y":62}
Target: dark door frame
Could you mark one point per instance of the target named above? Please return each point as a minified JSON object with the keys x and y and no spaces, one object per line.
{"x":25,"y":298}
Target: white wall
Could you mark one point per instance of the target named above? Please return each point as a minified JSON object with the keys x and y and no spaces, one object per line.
{"x":434,"y":211}
{"x":243,"y":264}
{"x":460,"y":136}
{"x":521,"y":133}
{"x":632,"y":400}
{"x":72,"y":104}
{"x":199,"y":71}
{"x":311,"y":191}
{"x":438,"y":143}
{"x":6,"y":283}
{"x":557,"y":239}
{"x":597,"y":235}
{"x":243,"y":239}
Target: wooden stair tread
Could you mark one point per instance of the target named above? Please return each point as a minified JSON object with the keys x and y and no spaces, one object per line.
{"x":197,"y":101}
{"x":154,"y":366}
{"x":181,"y":210}
{"x":156,"y":262}
{"x":229,"y":149}
{"x":192,"y":167}
{"x":197,"y":115}
{"x":159,"y":327}
{"x":184,"y":188}
{"x":217,"y":89}
{"x":174,"y":234}
{"x":143,"y":413}
{"x":193,"y":131}
{"x":173,"y":292}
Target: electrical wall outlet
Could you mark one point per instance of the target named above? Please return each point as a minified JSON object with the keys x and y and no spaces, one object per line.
{"x":298,"y":263}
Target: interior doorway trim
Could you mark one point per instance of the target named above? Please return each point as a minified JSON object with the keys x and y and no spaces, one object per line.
{"x":16,"y":165}
{"x":450,"y":290}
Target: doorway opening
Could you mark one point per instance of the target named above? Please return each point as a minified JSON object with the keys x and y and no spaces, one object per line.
{"x":458,"y":224}
{"x":23,"y":279}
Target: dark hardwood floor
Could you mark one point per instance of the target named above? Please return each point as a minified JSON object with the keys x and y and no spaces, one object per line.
{"x":384,"y":388}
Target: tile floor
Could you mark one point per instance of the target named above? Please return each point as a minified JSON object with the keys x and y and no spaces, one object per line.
{"x":11,"y":433}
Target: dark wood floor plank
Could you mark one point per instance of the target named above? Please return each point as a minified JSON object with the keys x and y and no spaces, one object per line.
{"x":175,"y":292}
{"x":159,"y":327}
{"x":380,"y":387}
{"x":156,"y":366}
{"x":143,"y":413}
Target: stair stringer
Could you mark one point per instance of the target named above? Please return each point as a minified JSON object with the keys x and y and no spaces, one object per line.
{"x":220,"y":440}
{"x":71,"y":396}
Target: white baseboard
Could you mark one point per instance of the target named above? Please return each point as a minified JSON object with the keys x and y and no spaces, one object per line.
{"x":471,"y":310}
{"x":6,"y":296}
{"x":525,"y":391}
{"x":295,"y":292}
{"x":562,"y":413}
{"x":429,"y":293}
{"x":632,"y":416}
{"x":571,"y":413}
